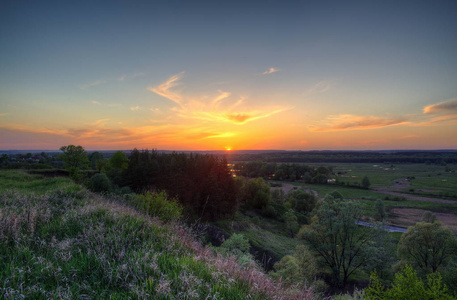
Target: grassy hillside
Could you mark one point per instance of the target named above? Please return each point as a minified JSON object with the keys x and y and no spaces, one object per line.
{"x":59,"y":241}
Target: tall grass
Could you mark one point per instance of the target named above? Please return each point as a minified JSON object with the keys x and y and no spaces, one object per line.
{"x":70,"y":244}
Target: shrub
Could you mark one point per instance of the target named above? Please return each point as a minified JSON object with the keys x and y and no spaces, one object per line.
{"x":159,"y":205}
{"x":100,"y":183}
{"x":269,"y":211}
{"x":238,"y":246}
{"x":407,"y":285}
{"x":302,"y":201}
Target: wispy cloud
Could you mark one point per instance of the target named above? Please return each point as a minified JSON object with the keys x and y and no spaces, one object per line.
{"x":3,"y":114}
{"x":222,"y":95}
{"x":95,"y":102}
{"x":133,"y":108}
{"x":220,"y":108}
{"x":164,"y":89}
{"x":92,"y":84}
{"x":353,"y":122}
{"x":270,"y":71}
{"x":132,"y":76}
{"x":98,"y":123}
{"x":445,"y":111}
{"x":442,"y":107}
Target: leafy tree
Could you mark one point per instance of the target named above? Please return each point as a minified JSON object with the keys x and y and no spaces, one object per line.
{"x":429,"y":217}
{"x":291,"y":222}
{"x":255,"y":193}
{"x":117,"y":164}
{"x":75,"y":159}
{"x":118,"y":161}
{"x":408,"y":286}
{"x":427,"y":246}
{"x":342,"y":245}
{"x":94,"y":158}
{"x":366,"y":182}
{"x":302,"y":201}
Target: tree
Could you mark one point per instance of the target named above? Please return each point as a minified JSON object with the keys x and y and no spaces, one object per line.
{"x":75,"y":159}
{"x":118,"y":161}
{"x":255,"y":193}
{"x":117,"y":164}
{"x":429,"y":217}
{"x":366,"y":182}
{"x":302,"y":201}
{"x":94,"y":159}
{"x":408,"y":286}
{"x":342,"y":245}
{"x":427,"y":246}
{"x":291,"y":222}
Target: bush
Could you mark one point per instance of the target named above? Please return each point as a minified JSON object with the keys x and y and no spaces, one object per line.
{"x":159,"y":205}
{"x":269,"y":212}
{"x":302,"y":201}
{"x":100,"y":183}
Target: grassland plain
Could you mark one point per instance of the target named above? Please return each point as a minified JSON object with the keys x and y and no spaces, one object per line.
{"x":67,"y":243}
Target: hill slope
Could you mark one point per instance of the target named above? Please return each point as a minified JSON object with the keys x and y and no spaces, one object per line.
{"x":69,"y":243}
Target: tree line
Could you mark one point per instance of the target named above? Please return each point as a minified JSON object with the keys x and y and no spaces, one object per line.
{"x":283,"y":171}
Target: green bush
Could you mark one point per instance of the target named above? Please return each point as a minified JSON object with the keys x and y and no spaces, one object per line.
{"x":269,"y":211}
{"x":407,"y":285}
{"x":301,"y":201}
{"x":100,"y":183}
{"x":159,"y":205}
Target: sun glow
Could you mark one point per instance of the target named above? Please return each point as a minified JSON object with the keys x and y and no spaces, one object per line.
{"x":228,"y":148}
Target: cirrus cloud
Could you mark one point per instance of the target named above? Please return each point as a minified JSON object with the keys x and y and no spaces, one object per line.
{"x":353,"y":122}
{"x":222,"y":108}
{"x":442,"y":107}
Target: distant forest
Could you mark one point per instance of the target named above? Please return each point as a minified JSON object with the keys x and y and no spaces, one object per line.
{"x":428,"y":157}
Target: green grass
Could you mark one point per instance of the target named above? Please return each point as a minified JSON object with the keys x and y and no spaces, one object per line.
{"x":27,"y":183}
{"x":369,"y":206}
{"x":347,"y":192}
{"x":71,"y":244}
{"x":265,"y":234}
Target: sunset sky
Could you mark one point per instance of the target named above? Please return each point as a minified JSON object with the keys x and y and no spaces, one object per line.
{"x":211,"y":75}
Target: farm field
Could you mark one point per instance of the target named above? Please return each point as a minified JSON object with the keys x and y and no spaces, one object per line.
{"x":407,"y":190}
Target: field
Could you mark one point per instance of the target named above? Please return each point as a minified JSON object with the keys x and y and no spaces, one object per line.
{"x":407,"y":190}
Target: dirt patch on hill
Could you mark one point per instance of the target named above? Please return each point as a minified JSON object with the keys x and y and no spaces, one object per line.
{"x":405,"y":217}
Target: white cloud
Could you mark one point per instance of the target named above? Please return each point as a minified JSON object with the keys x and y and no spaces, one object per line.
{"x":270,"y":70}
{"x":164,"y":89}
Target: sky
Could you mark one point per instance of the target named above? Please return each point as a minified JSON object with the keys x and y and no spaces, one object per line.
{"x":214,"y":75}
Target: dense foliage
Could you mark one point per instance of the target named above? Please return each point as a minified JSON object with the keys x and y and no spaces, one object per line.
{"x":202,"y":183}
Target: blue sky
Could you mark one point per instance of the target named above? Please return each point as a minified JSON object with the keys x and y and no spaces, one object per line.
{"x":228,"y":74}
